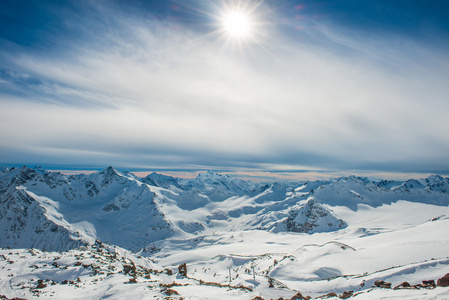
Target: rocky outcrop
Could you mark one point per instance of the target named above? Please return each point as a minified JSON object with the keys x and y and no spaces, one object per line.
{"x":382,"y":284}
{"x":28,"y":223}
{"x":346,"y":295}
{"x":182,"y":269}
{"x":404,"y":285}
{"x":299,"y":296}
{"x":327,"y":296}
{"x":443,"y":281}
{"x":313,"y":217}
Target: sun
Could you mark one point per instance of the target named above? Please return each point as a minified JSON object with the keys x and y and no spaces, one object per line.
{"x":240,"y":21}
{"x":237,"y":24}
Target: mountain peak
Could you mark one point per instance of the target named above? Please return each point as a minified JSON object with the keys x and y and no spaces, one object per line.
{"x":107,"y":176}
{"x":210,"y":175}
{"x":353,"y":179}
{"x":23,"y":174}
{"x":435,"y":178}
{"x":438,"y":183}
{"x":161,"y":180}
{"x":159,"y":176}
{"x":313,"y":217}
{"x":109,"y":171}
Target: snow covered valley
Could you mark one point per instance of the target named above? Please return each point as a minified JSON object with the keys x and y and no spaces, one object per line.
{"x":112,"y":235}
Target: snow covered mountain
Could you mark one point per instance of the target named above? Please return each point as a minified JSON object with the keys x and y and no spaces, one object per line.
{"x":53,"y":211}
{"x":239,"y":239}
{"x":162,"y":181}
{"x":108,"y":205}
{"x":312,"y":217}
{"x":218,"y":187}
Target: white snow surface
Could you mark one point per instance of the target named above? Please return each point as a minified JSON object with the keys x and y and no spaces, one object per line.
{"x":238,"y":239}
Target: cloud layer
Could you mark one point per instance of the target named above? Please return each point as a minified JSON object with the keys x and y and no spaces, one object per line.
{"x":152,"y":92}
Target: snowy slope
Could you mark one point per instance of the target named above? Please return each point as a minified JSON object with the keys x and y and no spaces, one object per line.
{"x":403,"y":241}
{"x":131,"y":212}
{"x":239,"y":239}
{"x":108,"y":205}
{"x":28,"y":221}
{"x":352,"y":191}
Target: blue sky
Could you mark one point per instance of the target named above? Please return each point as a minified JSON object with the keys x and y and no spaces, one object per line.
{"x":318,"y":87}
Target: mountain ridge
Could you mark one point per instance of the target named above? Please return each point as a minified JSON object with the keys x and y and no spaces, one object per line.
{"x":132,"y":212}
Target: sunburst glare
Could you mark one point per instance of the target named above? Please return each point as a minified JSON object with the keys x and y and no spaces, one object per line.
{"x":237,"y":24}
{"x":240,"y":23}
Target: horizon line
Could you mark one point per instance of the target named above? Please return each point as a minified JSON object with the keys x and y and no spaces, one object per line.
{"x":255,"y":175}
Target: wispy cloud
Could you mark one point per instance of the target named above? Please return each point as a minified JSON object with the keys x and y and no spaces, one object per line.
{"x":151,"y":92}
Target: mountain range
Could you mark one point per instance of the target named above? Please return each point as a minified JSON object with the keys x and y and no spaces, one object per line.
{"x":219,"y":237}
{"x":52,"y":211}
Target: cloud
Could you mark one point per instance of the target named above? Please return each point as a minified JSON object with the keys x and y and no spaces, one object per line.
{"x":149,"y":92}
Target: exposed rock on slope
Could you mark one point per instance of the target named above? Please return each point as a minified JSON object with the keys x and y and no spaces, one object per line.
{"x":218,"y":187}
{"x":162,"y":181}
{"x":27,"y":223}
{"x":120,"y":208}
{"x":53,"y":211}
{"x":313,"y":217}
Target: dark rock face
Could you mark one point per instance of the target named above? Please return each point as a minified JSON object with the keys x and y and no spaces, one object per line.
{"x":346,"y":295}
{"x":429,"y":284}
{"x":443,"y":281}
{"x":182,"y":269}
{"x":129,"y":269}
{"x":313,"y":216}
{"x":25,"y":224}
{"x":42,"y":210}
{"x":382,"y":284}
{"x":327,"y":296}
{"x":299,"y":296}
{"x":404,"y":285}
{"x":40,"y":284}
{"x":171,"y":292}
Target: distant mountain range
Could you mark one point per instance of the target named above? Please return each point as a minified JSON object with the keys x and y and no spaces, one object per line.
{"x":52,"y":211}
